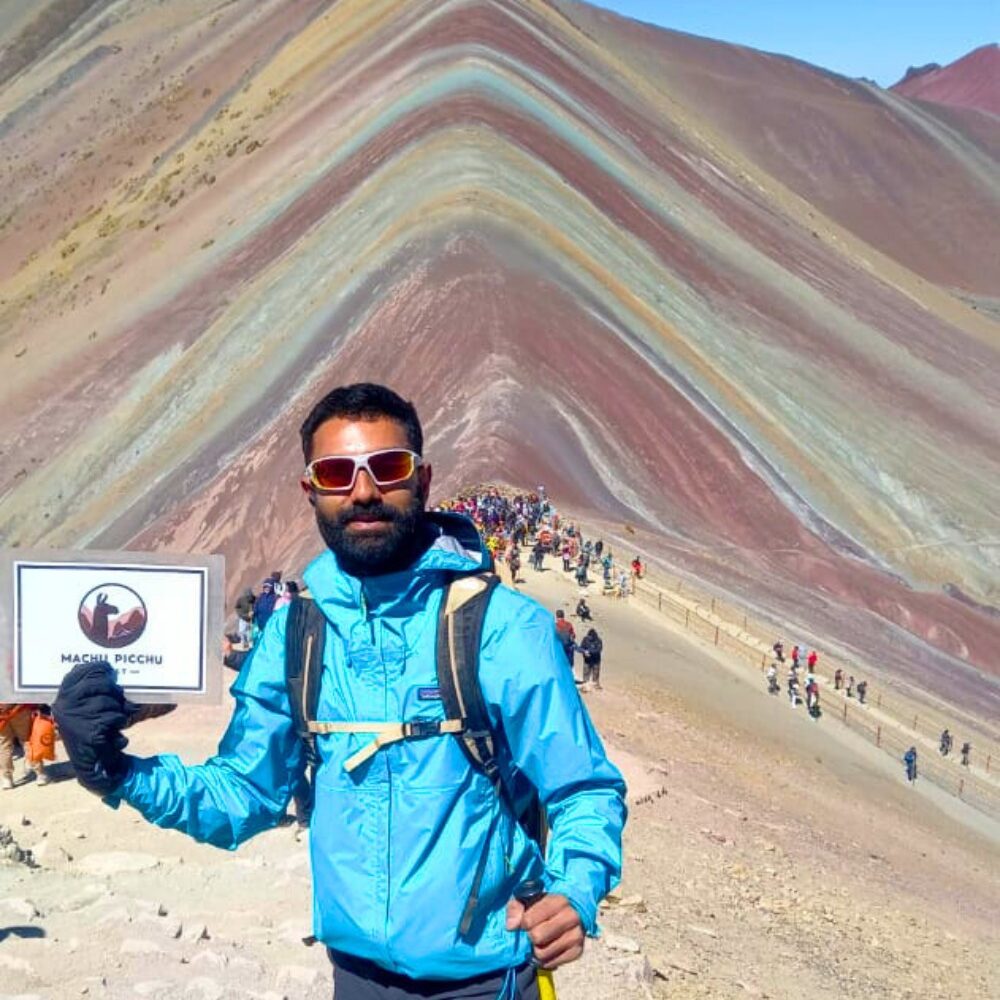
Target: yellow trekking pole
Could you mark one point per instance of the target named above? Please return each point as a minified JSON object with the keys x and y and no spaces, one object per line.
{"x":531,"y":892}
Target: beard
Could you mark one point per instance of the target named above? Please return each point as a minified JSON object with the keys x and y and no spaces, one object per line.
{"x":371,"y":555}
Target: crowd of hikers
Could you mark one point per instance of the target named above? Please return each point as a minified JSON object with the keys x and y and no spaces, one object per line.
{"x":511,"y":525}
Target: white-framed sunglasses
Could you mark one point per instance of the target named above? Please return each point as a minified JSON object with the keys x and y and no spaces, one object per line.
{"x":338,"y":473}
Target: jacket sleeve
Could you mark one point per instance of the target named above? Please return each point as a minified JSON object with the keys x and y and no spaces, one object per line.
{"x":246,"y":786}
{"x":532,"y":697}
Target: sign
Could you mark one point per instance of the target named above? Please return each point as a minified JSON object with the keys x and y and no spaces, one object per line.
{"x":156,"y":618}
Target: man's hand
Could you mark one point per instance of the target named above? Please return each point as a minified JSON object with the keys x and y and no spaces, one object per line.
{"x":91,"y":711}
{"x":553,"y":926}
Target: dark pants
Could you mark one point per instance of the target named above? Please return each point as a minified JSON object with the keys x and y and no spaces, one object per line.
{"x":356,"y":979}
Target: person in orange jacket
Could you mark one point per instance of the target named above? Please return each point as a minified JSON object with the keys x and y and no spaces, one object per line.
{"x":15,"y":727}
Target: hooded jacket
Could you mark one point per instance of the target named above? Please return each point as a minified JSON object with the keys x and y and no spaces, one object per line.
{"x":395,"y":843}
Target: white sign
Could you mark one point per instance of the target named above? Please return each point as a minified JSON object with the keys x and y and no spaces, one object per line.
{"x":153,"y":621}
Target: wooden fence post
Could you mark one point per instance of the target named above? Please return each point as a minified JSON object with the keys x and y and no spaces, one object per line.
{"x":717,"y":635}
{"x":744,"y":623}
{"x":659,"y":601}
{"x":878,"y":733}
{"x":961,"y":786}
{"x":878,"y":700}
{"x":914,"y":722}
{"x":713,"y":605}
{"x":687,"y":617}
{"x":989,"y":757}
{"x":845,"y":711}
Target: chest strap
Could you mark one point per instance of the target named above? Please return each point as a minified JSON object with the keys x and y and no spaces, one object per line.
{"x":386,"y":733}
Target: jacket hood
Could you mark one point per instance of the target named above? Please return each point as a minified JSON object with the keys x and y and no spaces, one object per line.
{"x":456,"y":548}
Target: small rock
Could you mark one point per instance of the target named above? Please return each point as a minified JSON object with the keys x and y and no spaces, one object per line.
{"x":197,"y":932}
{"x":618,"y":942}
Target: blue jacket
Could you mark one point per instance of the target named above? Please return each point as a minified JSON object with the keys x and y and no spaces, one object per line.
{"x":395,"y":843}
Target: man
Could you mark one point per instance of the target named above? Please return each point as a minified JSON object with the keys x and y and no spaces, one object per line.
{"x":395,"y":842}
{"x":910,"y":760}
{"x":592,"y":647}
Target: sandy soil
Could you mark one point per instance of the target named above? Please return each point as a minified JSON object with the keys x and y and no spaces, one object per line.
{"x":766,"y":856}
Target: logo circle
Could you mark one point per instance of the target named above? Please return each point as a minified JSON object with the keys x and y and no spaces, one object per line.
{"x":112,"y":615}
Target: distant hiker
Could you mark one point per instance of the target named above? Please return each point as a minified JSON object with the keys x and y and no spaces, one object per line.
{"x":418,"y":858}
{"x":945,"y":744}
{"x":515,"y":564}
{"x":566,"y":635}
{"x":623,"y":584}
{"x":850,"y":686}
{"x":232,"y":657}
{"x":779,"y":651}
{"x":862,"y":691}
{"x":812,"y":697}
{"x":910,"y":759}
{"x":637,"y":568}
{"x":289,"y":593}
{"x":566,"y":556}
{"x":581,"y":573}
{"x":264,"y":606}
{"x":838,"y":679}
{"x":773,"y":687}
{"x":15,"y":727}
{"x":244,"y":616}
{"x":538,"y":556}
{"x":598,"y":547}
{"x":966,"y":753}
{"x":592,"y":647}
{"x":275,"y":578}
{"x":811,"y":660}
{"x":793,"y":687}
{"x":583,"y":610}
{"x":795,"y":655}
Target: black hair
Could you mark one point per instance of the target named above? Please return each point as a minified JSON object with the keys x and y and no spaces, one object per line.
{"x":363,"y":401}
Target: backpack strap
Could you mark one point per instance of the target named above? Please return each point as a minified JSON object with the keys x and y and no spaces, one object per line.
{"x":460,"y":632}
{"x":305,"y":637}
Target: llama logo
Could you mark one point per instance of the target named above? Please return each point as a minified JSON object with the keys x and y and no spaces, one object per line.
{"x":112,"y":615}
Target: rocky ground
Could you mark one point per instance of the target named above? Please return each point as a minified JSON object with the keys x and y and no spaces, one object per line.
{"x":766,"y":856}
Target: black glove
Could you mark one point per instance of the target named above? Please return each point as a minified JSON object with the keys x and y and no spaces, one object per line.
{"x":91,"y":711}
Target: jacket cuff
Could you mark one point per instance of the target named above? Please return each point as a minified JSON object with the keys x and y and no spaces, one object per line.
{"x":586,"y":908}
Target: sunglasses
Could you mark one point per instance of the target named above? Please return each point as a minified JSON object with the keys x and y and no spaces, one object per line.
{"x":338,"y":473}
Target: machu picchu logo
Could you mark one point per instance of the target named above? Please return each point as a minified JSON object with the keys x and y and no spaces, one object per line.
{"x":112,"y":615}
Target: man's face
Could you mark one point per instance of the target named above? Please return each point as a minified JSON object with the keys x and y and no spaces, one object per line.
{"x":370,"y":528}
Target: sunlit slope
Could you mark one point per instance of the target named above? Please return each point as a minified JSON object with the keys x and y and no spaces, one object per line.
{"x":729,"y":298}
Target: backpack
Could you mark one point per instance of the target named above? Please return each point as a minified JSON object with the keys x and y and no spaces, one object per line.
{"x":459,"y":634}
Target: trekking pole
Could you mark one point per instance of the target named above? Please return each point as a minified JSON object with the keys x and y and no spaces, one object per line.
{"x":528,"y":894}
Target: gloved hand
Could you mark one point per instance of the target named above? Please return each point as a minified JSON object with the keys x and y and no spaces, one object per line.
{"x":91,"y":710}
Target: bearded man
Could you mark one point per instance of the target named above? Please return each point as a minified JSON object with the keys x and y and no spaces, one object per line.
{"x":405,"y":842}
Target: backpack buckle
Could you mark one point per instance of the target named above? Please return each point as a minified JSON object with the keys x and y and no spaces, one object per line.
{"x":422,"y":727}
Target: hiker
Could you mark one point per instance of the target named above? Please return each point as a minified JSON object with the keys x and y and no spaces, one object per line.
{"x":566,"y":555}
{"x":417,"y":858}
{"x":773,"y":687}
{"x":538,"y":556}
{"x":966,"y":753}
{"x":945,"y":745}
{"x":795,"y":656}
{"x":591,"y":647}
{"x":566,"y":635}
{"x":583,"y":610}
{"x":838,"y":679}
{"x":598,"y":548}
{"x":793,"y":687}
{"x":515,"y":564}
{"x":862,"y":691}
{"x":910,"y":759}
{"x":637,"y":568}
{"x":264,"y":605}
{"x":850,"y":686}
{"x":15,"y":727}
{"x":779,"y":651}
{"x":289,"y":593}
{"x":812,"y":697}
{"x":581,"y":573}
{"x":244,"y":616}
{"x":623,"y":585}
{"x":811,"y":660}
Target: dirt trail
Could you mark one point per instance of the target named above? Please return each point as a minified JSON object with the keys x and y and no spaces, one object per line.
{"x":766,"y":855}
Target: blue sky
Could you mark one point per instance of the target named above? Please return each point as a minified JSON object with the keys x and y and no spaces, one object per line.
{"x":878,"y":39}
